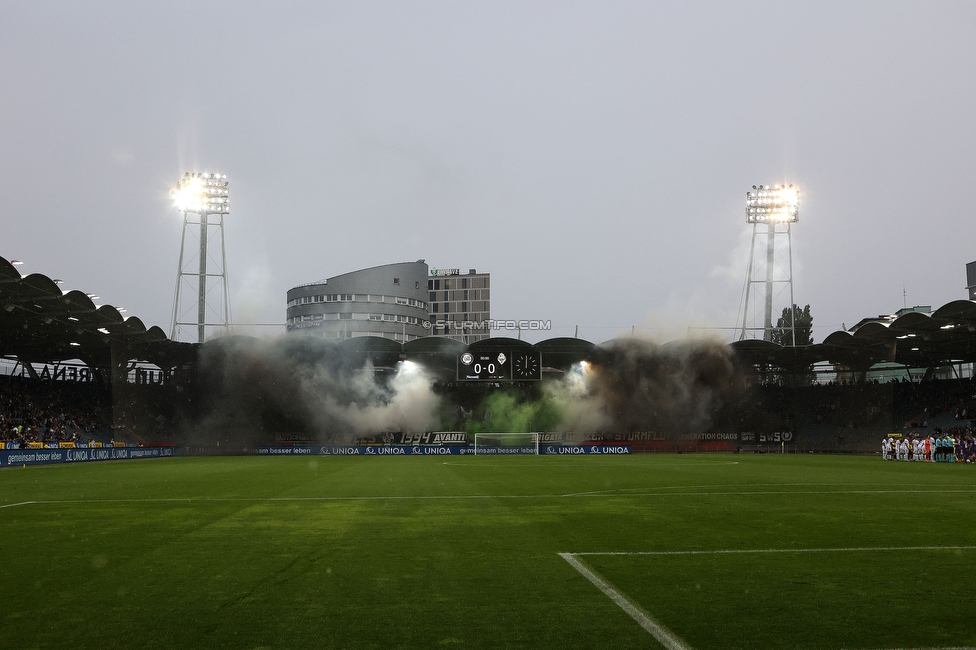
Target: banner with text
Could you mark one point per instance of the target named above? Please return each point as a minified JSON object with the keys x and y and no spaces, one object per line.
{"x":440,"y":450}
{"x":39,"y":456}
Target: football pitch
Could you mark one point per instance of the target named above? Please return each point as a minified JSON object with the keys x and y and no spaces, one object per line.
{"x":644,"y":551}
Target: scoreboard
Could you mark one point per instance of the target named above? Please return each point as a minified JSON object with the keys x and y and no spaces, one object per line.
{"x":500,"y":365}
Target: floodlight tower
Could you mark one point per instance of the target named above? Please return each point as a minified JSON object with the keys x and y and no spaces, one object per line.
{"x":778,"y":208}
{"x":204,"y":195}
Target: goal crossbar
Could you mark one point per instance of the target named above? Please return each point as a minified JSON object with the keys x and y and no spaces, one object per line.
{"x":532,"y":446}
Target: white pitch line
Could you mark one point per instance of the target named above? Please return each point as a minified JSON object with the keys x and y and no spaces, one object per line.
{"x":666,"y":637}
{"x":658,"y":631}
{"x":785,"y":550}
{"x":450,"y":497}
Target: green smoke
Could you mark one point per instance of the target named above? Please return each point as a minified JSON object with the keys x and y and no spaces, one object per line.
{"x":506,"y":412}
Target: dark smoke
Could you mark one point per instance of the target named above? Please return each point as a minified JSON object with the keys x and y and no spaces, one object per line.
{"x":304,"y":385}
{"x":633,"y":384}
{"x":628,"y":385}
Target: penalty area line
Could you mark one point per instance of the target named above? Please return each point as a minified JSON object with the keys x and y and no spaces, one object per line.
{"x":861,"y":549}
{"x":664,"y":636}
{"x":22,"y":503}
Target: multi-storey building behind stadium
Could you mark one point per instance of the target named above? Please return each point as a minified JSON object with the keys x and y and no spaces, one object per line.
{"x":460,"y":305}
{"x":389,"y":301}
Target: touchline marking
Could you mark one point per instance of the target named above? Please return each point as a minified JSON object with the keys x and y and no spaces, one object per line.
{"x":783,"y":550}
{"x":481,"y":496}
{"x":22,"y":503}
{"x":664,"y":636}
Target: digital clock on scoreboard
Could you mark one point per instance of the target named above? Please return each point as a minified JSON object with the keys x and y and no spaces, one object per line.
{"x":499,"y":365}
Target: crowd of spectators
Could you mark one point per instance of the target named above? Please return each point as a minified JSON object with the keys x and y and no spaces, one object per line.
{"x":45,"y":411}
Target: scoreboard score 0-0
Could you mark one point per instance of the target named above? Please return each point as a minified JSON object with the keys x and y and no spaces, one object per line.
{"x":499,"y":365}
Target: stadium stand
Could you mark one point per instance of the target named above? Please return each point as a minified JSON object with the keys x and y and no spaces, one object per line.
{"x":42,"y":412}
{"x":40,"y":324}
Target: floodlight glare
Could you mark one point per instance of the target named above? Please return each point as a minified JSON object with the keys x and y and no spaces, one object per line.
{"x":408,"y":368}
{"x":202,"y":193}
{"x":773,"y":204}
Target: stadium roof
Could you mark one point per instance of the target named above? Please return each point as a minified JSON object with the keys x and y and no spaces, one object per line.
{"x":913,"y":339}
{"x":40,"y":323}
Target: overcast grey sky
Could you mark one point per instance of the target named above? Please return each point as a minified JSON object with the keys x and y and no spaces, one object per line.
{"x":593,"y":157}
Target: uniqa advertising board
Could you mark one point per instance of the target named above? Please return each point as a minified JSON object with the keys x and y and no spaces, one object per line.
{"x":438,"y":450}
{"x":10,"y":457}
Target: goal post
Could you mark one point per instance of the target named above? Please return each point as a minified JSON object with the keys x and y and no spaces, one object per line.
{"x":506,"y":443}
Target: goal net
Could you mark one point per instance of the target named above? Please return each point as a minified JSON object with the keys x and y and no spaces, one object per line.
{"x":506,"y":443}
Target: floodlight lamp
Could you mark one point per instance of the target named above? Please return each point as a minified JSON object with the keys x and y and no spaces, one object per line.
{"x":408,"y":367}
{"x":15,"y":263}
{"x":773,"y":204}
{"x":202,"y":193}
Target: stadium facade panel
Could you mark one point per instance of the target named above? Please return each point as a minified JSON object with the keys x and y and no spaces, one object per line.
{"x":388,"y":301}
{"x":460,"y":305}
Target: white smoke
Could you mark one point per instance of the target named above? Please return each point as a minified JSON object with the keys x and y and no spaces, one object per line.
{"x":575,"y":396}
{"x":406,"y":404}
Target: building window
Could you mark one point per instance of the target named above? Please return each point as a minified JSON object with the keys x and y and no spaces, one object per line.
{"x":345,"y":316}
{"x":416,"y":285}
{"x":396,"y":280}
{"x":434,"y":305}
{"x":430,"y":284}
{"x":464,"y":283}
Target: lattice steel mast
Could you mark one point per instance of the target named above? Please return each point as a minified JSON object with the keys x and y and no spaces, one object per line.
{"x":204,"y":195}
{"x":776,"y":207}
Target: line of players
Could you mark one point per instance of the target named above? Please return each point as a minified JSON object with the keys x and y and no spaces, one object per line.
{"x":942,"y":448}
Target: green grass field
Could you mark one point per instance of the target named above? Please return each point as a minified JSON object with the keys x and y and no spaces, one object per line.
{"x":347,"y":552}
